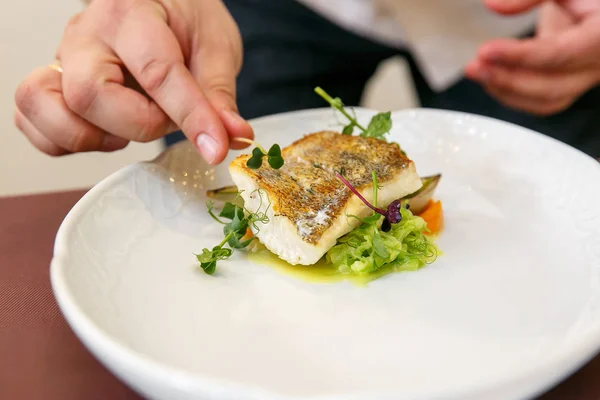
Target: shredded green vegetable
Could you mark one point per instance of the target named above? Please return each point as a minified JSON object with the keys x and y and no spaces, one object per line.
{"x":366,"y":249}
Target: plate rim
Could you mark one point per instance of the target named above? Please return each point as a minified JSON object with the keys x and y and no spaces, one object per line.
{"x":96,"y":340}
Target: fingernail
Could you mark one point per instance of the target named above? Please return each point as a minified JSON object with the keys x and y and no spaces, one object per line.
{"x":207,"y":147}
{"x":112,"y":143}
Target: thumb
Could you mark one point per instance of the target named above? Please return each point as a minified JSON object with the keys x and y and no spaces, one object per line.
{"x":511,"y":7}
{"x":216,"y":74}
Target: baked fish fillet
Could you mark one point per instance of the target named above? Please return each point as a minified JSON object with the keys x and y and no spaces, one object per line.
{"x":309,"y":206}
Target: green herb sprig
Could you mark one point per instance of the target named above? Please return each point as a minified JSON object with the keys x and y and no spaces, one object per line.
{"x":274,"y":157}
{"x":379,"y":126}
{"x":235,"y":230}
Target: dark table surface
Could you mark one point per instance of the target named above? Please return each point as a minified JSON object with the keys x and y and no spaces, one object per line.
{"x":40,"y":358}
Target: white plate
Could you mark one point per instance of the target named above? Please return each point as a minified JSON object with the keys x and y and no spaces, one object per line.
{"x":511,"y":308}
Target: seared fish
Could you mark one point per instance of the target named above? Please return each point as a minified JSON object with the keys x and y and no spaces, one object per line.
{"x":309,"y":207}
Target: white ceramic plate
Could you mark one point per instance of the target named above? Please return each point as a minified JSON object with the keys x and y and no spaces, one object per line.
{"x":511,"y":308}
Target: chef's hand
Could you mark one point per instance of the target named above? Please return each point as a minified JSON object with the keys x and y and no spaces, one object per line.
{"x":545,"y":74}
{"x":184,"y":54}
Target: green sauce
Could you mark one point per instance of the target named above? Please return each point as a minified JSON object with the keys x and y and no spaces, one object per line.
{"x":321,"y":272}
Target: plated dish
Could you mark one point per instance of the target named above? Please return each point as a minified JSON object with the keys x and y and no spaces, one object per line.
{"x":511,"y":306}
{"x":353,"y":204}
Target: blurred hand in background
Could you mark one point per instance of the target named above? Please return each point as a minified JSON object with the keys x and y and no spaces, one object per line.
{"x":547,"y":73}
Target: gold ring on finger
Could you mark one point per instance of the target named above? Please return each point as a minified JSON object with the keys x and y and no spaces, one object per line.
{"x":56,"y":66}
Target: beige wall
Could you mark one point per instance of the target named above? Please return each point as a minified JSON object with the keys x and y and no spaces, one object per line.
{"x":29,"y":33}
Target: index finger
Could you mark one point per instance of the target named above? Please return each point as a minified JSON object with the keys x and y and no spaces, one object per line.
{"x":153,"y":56}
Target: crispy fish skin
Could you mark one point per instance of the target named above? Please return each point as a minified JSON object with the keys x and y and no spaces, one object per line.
{"x":308,"y":205}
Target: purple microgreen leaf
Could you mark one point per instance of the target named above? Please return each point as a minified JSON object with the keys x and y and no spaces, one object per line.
{"x":393,"y":212}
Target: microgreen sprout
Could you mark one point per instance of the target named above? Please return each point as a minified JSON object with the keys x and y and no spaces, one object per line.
{"x":235,"y":231}
{"x":274,"y":157}
{"x":392,"y":214}
{"x":379,"y":126}
{"x":337,"y":104}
